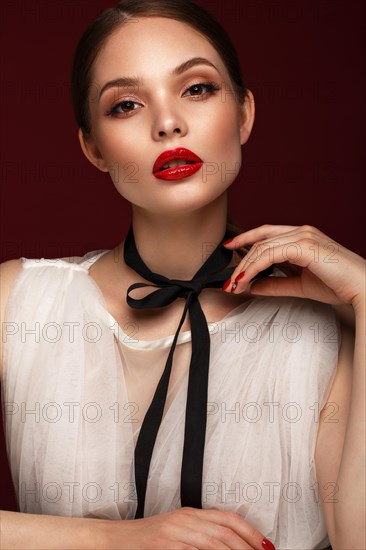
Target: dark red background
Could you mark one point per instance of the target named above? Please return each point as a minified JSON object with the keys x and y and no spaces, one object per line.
{"x":304,"y":163}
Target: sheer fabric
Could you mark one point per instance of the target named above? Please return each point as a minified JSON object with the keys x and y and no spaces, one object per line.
{"x":77,"y":386}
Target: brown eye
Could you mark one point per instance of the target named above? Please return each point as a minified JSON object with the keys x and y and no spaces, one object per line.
{"x":202,"y":88}
{"x":123,"y":107}
{"x":197,"y":88}
{"x":126,"y":106}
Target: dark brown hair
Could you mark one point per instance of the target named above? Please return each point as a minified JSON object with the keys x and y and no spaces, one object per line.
{"x":107,"y":22}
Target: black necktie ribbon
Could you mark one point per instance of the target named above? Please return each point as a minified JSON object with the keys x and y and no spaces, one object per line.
{"x":213,"y":273}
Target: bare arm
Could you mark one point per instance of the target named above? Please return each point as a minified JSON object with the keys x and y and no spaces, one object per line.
{"x":32,"y":531}
{"x":182,"y":529}
{"x":340,"y":452}
{"x":8,"y":272}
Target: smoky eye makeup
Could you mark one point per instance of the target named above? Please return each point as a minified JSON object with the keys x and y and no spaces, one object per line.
{"x":199,"y":89}
{"x":119,"y":95}
{"x":198,"y":92}
{"x":125,"y":105}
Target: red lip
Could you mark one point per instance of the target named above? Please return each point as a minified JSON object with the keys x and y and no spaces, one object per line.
{"x":177,"y":172}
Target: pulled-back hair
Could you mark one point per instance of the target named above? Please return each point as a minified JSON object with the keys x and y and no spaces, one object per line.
{"x":111,"y":19}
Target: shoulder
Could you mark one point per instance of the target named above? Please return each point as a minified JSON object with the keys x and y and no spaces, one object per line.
{"x":28,"y":277}
{"x":8,"y":273}
{"x":313,"y":326}
{"x":287,"y":320}
{"x":35,"y":278}
{"x":295,"y":315}
{"x":300,"y":337}
{"x":29,"y":268}
{"x":25,"y":282}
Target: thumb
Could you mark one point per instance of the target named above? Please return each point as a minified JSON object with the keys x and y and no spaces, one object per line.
{"x":277,"y":286}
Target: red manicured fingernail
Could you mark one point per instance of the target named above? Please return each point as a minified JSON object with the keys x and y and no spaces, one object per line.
{"x":228,"y":282}
{"x":228,"y":241}
{"x":239,"y":277}
{"x":267,"y":545}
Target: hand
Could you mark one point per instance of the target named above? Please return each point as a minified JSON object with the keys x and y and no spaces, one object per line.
{"x":185,"y":529}
{"x":324,"y":270}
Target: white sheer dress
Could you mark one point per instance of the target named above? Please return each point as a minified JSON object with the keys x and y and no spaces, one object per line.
{"x":76,"y":388}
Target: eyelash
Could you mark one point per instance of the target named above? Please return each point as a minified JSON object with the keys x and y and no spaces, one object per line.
{"x":210,"y":86}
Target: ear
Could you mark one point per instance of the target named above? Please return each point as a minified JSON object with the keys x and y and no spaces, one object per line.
{"x":247,"y":115}
{"x":91,"y":151}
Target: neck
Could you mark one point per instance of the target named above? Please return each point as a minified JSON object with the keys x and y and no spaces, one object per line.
{"x":176,"y":246}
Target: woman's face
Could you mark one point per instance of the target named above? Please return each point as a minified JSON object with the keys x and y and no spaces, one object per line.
{"x":164,"y":110}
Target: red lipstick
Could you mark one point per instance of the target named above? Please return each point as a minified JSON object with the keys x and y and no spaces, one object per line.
{"x":176,"y":164}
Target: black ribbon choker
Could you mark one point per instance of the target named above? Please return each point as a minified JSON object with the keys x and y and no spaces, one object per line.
{"x":213,"y":273}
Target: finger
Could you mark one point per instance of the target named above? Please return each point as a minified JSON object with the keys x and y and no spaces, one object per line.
{"x":278,"y":286}
{"x":292,"y":286}
{"x":263,"y":232}
{"x":208,"y":534}
{"x":263,"y":256}
{"x":307,"y":285}
{"x":251,"y":536}
{"x":267,"y":233}
{"x":244,"y":274}
{"x":293,"y":247}
{"x":290,"y":252}
{"x":205,"y":533}
{"x":289,"y":245}
{"x":302,"y":251}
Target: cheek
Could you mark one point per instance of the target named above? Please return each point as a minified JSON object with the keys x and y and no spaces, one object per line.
{"x":112,"y":143}
{"x":223,"y":144}
{"x":120,"y":153}
{"x":223,"y":125}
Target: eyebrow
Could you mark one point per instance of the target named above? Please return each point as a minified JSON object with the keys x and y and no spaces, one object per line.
{"x":135,"y":82}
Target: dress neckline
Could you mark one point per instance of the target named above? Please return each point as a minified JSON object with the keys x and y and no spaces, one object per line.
{"x":214,"y":327}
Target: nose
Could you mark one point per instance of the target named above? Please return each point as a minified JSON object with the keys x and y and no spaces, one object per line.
{"x":168,"y":123}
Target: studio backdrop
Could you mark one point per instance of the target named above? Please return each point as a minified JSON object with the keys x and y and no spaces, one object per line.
{"x":303,"y":60}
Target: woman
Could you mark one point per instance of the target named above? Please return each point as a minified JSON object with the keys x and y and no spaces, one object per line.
{"x":161,"y":106}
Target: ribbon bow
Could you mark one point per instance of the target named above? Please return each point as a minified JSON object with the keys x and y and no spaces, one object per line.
{"x":211,"y":274}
